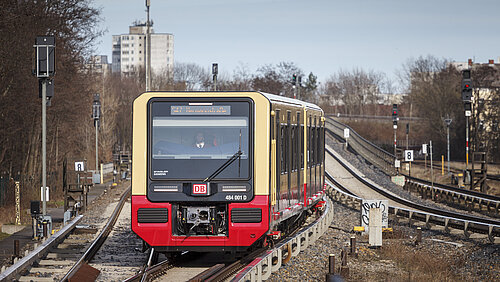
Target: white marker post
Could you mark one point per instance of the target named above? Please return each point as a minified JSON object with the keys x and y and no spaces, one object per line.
{"x":346,"y":136}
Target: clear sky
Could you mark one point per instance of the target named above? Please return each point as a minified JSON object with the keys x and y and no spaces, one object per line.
{"x":320,"y":36}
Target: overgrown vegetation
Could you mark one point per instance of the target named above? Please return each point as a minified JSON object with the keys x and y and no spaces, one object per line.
{"x":74,"y":23}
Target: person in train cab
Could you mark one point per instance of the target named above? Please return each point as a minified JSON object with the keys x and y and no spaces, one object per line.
{"x":200,"y":142}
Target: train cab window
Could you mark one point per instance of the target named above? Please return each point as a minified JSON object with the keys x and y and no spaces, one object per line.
{"x":199,"y":138}
{"x":189,"y":142}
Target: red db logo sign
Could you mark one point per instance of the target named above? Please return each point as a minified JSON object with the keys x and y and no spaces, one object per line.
{"x":200,"y":189}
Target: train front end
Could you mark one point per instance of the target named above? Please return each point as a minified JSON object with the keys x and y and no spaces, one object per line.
{"x":195,"y":183}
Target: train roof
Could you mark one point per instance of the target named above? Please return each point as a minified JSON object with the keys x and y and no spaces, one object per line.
{"x":285,"y":100}
{"x":271,"y":97}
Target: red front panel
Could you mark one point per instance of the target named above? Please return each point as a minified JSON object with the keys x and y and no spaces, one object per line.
{"x":240,"y":234}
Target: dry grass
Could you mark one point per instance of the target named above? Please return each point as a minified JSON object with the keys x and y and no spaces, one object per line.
{"x":3,"y":235}
{"x":7,"y":215}
{"x":420,"y":264}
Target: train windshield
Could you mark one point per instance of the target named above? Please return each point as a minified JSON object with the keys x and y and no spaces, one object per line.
{"x":199,"y":137}
{"x":190,"y":142}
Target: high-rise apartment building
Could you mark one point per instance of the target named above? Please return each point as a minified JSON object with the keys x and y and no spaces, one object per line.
{"x":129,"y":51}
{"x":98,"y":64}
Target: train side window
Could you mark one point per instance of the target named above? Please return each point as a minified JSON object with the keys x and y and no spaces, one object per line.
{"x":309,"y":142}
{"x":313,"y":143}
{"x":309,"y":146}
{"x":322,"y":144}
{"x":282,"y":148}
{"x":278,"y":156}
{"x":301,"y":137}
{"x":287,"y":148}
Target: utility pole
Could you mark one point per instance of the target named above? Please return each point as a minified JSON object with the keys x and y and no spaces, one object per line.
{"x":148,"y":49}
{"x":448,"y":123}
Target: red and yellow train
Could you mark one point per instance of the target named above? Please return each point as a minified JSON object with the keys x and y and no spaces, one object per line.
{"x":223,"y":171}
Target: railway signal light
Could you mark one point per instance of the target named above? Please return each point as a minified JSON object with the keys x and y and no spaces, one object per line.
{"x":395,"y":112}
{"x":96,"y":110}
{"x":294,"y":79}
{"x":466,"y":86}
{"x":44,"y":60}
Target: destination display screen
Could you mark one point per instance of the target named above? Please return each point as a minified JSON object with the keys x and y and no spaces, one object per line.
{"x":199,"y":110}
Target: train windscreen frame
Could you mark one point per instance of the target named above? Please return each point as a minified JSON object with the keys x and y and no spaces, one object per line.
{"x":191,"y":138}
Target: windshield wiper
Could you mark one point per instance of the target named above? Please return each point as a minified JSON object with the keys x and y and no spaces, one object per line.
{"x":223,"y":166}
{"x":227,"y":163}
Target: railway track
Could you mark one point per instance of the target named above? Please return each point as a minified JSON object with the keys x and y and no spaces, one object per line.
{"x":413,"y":211}
{"x":256,"y":266}
{"x":455,"y":170}
{"x":64,"y":256}
{"x":453,"y":196}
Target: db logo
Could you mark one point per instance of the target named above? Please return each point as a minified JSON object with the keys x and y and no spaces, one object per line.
{"x":200,"y":189}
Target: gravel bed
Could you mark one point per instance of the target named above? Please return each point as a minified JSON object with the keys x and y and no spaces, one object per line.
{"x":120,"y":256}
{"x":399,"y":259}
{"x":379,"y":177}
{"x":439,"y":257}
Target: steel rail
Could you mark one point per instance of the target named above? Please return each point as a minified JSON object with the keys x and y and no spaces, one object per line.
{"x":41,"y":251}
{"x":101,"y":238}
{"x":455,"y":169}
{"x":263,"y":266}
{"x":377,"y":156}
{"x":433,"y":215}
{"x":148,"y":273}
{"x":383,"y":162}
{"x":224,"y":273}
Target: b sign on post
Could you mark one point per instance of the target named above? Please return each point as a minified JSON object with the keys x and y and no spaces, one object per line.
{"x":79,"y":166}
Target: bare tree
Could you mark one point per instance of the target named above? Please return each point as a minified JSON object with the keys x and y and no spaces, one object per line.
{"x":355,"y":89}
{"x":434,"y":90}
{"x":192,"y":76}
{"x":74,"y":24}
